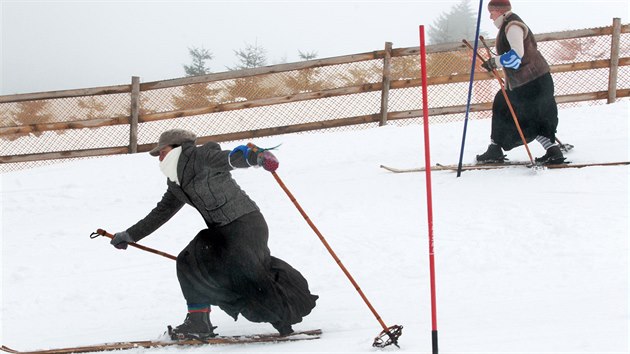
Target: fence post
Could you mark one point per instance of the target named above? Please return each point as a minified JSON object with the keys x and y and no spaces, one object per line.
{"x":135,"y":109}
{"x":386,"y":82}
{"x":614,"y":60}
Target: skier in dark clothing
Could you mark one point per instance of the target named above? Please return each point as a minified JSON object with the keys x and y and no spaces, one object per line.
{"x":228,"y":264}
{"x":529,"y":86}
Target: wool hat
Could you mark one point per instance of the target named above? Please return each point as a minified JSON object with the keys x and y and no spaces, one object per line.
{"x":499,"y":5}
{"x":173,"y":137}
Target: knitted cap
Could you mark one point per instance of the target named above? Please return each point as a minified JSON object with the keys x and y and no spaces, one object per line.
{"x":173,"y":137}
{"x":499,"y":5}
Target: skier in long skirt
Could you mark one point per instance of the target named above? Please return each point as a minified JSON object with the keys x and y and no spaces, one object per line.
{"x":529,"y":86}
{"x":228,"y":264}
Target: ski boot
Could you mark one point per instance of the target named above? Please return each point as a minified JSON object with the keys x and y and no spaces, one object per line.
{"x":551,"y":157}
{"x":197,"y":325}
{"x":494,"y":154}
{"x":283,"y":328}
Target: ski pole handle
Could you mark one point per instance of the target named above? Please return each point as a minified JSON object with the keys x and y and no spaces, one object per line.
{"x":483,"y":41}
{"x":101,"y":232}
{"x":472,"y":48}
{"x":478,"y":55}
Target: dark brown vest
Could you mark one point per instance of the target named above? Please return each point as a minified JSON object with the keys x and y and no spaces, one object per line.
{"x":533,"y":64}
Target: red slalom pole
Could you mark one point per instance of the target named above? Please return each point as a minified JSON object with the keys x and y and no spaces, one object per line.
{"x":427,"y":162}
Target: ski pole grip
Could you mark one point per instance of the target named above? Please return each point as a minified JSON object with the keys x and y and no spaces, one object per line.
{"x":104,"y":233}
{"x":101,"y":232}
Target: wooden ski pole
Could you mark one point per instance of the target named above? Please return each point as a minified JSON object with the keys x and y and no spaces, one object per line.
{"x":101,"y":232}
{"x":507,"y":99}
{"x":392,"y":332}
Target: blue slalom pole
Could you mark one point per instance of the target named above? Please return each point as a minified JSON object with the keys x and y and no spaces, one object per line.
{"x":470,"y":88}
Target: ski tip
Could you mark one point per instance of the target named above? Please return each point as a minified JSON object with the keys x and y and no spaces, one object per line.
{"x":4,"y":348}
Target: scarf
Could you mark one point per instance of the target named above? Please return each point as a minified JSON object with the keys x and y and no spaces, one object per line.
{"x":499,"y":20}
{"x":168,"y":166}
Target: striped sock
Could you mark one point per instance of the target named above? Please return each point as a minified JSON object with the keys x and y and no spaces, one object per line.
{"x":545,"y":142}
{"x":192,"y":308}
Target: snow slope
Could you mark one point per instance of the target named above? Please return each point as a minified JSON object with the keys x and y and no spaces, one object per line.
{"x":526,"y":262}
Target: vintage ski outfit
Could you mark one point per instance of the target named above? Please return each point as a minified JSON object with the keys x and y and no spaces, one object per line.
{"x":529,"y":87}
{"x":228,"y":264}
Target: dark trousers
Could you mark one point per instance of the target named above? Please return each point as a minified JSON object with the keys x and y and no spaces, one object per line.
{"x":536,"y":109}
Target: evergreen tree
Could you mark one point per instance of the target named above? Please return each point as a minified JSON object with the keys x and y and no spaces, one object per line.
{"x":307,"y":55}
{"x":198,"y":66}
{"x":252,"y":87}
{"x":196,"y":95}
{"x":451,"y":27}
{"x":252,"y":56}
{"x":28,"y":113}
{"x":92,"y":107}
{"x":457,"y":24}
{"x":362,"y":74}
{"x":306,"y":80}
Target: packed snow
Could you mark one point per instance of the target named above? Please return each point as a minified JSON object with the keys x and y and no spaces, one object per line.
{"x":526,"y":261}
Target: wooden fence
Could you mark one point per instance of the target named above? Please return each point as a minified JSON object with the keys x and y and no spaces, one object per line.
{"x":389,"y":81}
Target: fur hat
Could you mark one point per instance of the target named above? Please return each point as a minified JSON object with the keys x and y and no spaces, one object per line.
{"x":499,"y":5}
{"x":173,"y":137}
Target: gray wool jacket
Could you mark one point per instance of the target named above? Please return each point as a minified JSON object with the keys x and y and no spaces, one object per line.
{"x":206,"y":184}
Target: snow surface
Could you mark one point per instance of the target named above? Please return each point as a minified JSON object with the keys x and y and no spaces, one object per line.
{"x":527,"y":262}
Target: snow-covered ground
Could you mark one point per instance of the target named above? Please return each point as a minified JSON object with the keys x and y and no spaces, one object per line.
{"x":526,"y":262}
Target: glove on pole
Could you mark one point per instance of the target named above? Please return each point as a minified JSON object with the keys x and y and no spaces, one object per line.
{"x":393,"y":332}
{"x":507,"y":99}
{"x":101,"y":232}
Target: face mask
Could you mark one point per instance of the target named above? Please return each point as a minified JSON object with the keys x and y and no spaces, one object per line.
{"x":168,"y":166}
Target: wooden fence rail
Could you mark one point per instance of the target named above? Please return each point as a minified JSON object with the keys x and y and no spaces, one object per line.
{"x":396,"y":84}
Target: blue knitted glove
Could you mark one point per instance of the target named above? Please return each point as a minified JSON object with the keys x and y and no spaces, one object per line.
{"x":244,"y":150}
{"x":510,"y":60}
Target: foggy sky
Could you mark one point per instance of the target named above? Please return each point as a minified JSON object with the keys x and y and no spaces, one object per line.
{"x":58,"y":45}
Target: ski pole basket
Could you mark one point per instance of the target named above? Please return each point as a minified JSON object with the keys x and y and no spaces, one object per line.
{"x":388,"y":337}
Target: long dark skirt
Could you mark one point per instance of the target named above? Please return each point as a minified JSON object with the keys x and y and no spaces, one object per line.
{"x":536,"y":109}
{"x":231,"y":267}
